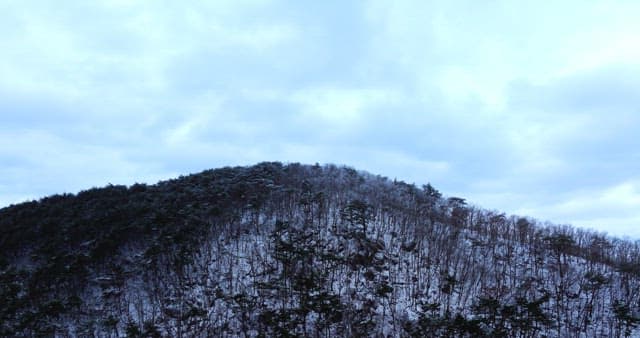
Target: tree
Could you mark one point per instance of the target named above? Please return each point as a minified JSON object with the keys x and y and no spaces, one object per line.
{"x":357,"y":214}
{"x":626,"y":320}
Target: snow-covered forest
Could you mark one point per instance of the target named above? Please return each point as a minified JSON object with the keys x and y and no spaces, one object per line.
{"x":277,"y":250}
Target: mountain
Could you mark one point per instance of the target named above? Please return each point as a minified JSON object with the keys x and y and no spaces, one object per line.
{"x":276,"y":250}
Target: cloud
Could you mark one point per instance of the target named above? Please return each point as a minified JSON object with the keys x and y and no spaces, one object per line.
{"x":43,"y":162}
{"x":465,"y":48}
{"x":610,"y":209}
{"x":341,"y":106}
{"x":585,"y":122}
{"x":482,"y":100}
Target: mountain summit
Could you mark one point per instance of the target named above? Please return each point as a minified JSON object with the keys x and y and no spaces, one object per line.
{"x":276,"y":250}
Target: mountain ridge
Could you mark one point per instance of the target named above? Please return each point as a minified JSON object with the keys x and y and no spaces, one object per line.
{"x":302,"y":250}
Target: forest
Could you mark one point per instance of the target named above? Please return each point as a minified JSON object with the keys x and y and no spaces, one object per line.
{"x":293,"y":250}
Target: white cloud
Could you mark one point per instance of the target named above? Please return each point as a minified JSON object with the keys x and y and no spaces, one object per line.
{"x":616,"y":200}
{"x":340,"y":106}
{"x":469,"y":48}
{"x":50,"y":164}
{"x":522,"y":106}
{"x":612,"y":209}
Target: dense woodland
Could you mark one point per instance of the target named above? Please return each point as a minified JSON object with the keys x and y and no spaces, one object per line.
{"x":293,"y":250}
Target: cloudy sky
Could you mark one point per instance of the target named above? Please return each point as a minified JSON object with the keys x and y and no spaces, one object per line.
{"x":526,"y":107}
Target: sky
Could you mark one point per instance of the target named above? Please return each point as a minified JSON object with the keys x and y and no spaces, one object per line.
{"x":527,"y":107}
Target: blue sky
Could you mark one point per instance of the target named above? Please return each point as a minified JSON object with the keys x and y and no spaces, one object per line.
{"x":530,"y":107}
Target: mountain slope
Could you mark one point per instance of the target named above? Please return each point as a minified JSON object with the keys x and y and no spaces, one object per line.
{"x":296,"y":250}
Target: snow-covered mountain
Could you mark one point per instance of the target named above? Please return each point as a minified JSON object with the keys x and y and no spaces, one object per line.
{"x":277,"y":250}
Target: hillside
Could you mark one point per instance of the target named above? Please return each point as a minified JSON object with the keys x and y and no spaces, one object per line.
{"x":279,"y":250}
